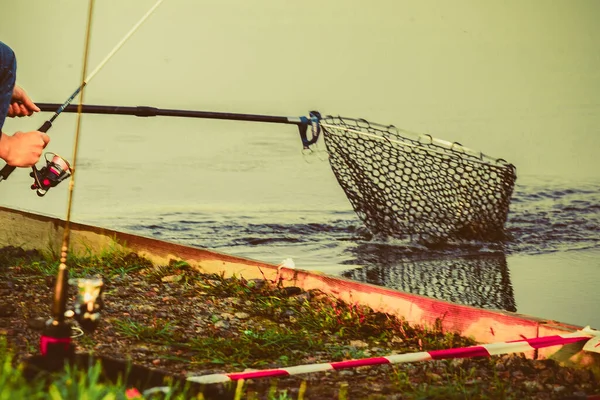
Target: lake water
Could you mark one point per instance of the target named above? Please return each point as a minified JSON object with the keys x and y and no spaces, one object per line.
{"x":517,"y":80}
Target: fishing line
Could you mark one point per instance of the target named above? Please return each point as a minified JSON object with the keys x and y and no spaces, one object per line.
{"x":86,"y":52}
{"x":8,"y":169}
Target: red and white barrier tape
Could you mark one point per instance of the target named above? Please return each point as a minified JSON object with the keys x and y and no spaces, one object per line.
{"x":484,"y":350}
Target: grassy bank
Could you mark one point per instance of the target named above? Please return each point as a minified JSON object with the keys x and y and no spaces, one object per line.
{"x":177,"y":320}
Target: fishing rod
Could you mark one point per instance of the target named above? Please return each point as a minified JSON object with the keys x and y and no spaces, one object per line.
{"x":146,"y":111}
{"x":56,"y":339}
{"x":57,"y":169}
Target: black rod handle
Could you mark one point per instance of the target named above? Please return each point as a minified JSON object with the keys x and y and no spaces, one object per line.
{"x":8,"y":169}
{"x":145,"y":111}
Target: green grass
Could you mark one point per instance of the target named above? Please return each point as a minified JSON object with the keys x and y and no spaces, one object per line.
{"x":110,"y":263}
{"x":158,"y":332}
{"x":69,"y":384}
{"x":78,"y":384}
{"x":252,"y":348}
{"x":458,"y":384}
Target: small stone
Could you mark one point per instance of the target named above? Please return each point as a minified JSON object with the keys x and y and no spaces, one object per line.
{"x":145,"y":308}
{"x":156,"y":362}
{"x":434,"y":377}
{"x":358,"y":344}
{"x":302,"y":297}
{"x":242,"y":315}
{"x":256,"y":283}
{"x":233,"y":300}
{"x":222,"y":324}
{"x":292,"y":290}
{"x":559,"y":389}
{"x":142,"y":349}
{"x":533,"y":386}
{"x":518,"y":374}
{"x":6,"y":310}
{"x":121,"y":292}
{"x":171,"y":278}
{"x":37,"y":323}
{"x":397,"y":339}
{"x":288,"y":313}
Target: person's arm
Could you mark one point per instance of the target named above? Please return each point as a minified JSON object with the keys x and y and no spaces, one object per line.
{"x":21,"y":104}
{"x":23,"y":149}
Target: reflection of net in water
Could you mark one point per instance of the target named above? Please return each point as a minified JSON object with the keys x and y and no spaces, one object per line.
{"x":479,"y":281}
{"x":418,"y":187}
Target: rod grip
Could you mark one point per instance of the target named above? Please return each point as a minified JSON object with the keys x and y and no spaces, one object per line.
{"x":44,"y":128}
{"x":6,"y":171}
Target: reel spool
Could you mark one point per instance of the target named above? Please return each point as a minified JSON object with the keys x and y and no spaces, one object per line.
{"x":89,"y":302}
{"x":54,"y":172}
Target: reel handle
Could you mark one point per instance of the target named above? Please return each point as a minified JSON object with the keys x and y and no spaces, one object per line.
{"x":8,"y":169}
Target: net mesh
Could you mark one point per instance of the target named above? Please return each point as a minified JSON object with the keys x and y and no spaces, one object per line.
{"x":407,"y":185}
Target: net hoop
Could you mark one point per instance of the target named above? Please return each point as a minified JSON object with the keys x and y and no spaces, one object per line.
{"x":397,"y":136}
{"x":404,"y":184}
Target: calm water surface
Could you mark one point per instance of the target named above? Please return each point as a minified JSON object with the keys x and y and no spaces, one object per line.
{"x":548,"y":268}
{"x":517,"y":80}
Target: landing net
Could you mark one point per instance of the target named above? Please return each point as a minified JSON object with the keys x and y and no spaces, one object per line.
{"x":407,"y":185}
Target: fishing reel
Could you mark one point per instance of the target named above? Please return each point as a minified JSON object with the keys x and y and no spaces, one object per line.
{"x":88,"y":303}
{"x":56,"y":340}
{"x":54,"y":172}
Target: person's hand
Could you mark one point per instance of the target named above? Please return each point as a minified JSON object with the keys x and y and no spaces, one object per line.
{"x":23,"y":149}
{"x":21,"y":105}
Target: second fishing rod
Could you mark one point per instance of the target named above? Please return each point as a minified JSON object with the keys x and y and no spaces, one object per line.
{"x":146,"y":111}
